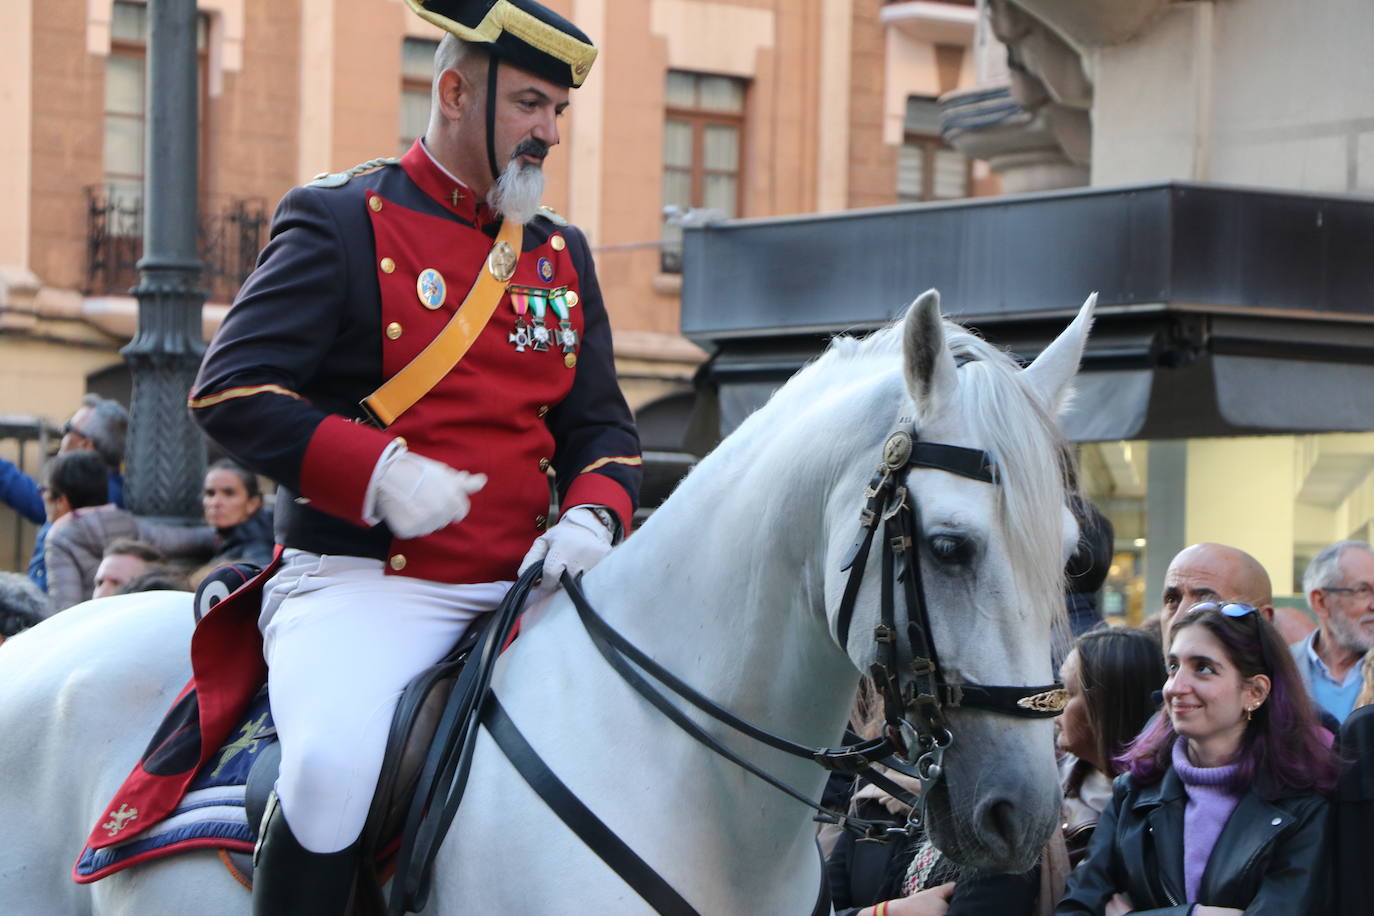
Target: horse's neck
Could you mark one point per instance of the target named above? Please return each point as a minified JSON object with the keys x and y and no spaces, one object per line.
{"x":723,"y":587}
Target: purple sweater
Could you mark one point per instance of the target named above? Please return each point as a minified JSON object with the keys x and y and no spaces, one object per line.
{"x":1210,"y":803}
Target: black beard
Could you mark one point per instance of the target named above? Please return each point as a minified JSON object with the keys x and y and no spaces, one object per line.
{"x":531,"y":147}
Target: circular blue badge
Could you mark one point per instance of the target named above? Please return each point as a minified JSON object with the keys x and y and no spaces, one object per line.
{"x":430,"y":287}
{"x":545,"y":269}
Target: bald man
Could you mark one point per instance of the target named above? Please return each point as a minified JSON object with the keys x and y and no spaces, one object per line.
{"x":1213,"y":572}
{"x":1218,"y":572}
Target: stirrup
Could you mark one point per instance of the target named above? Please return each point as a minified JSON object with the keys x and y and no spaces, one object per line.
{"x":290,"y":880}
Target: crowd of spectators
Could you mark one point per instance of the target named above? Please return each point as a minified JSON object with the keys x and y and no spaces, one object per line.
{"x":88,"y":545}
{"x":1216,"y":760}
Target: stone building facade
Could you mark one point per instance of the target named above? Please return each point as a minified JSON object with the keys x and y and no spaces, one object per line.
{"x":718,"y":107}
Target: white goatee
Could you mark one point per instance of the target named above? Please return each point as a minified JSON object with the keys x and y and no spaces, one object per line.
{"x":517,"y":192}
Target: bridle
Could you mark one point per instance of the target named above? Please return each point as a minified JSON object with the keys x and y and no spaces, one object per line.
{"x":921,"y":738}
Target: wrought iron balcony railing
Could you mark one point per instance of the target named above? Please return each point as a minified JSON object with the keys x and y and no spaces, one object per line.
{"x":232,"y":231}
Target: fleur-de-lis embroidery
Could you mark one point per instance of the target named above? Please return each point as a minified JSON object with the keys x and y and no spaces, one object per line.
{"x":120,"y":819}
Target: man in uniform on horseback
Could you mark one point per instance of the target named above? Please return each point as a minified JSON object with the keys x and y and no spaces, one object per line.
{"x":405,"y":511}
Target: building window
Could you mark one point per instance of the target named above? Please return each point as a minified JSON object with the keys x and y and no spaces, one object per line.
{"x":701,"y":152}
{"x":927,"y":168}
{"x":126,"y":106}
{"x":417,"y":76}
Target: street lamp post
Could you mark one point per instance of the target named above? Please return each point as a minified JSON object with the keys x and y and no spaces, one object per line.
{"x":166,"y":451}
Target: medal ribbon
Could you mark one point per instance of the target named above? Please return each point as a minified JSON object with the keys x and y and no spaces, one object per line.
{"x":559,"y":301}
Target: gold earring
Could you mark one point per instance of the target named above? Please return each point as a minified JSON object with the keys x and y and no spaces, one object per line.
{"x":1249,"y":713}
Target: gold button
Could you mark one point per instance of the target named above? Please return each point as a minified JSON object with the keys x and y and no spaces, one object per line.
{"x":543,"y":464}
{"x":557,"y":243}
{"x":570,"y":360}
{"x":571,"y":296}
{"x":539,"y":521}
{"x":401,"y":440}
{"x":388,"y":265}
{"x":375,"y":203}
{"x":398,"y":562}
{"x":543,"y":410}
{"x":393,"y":330}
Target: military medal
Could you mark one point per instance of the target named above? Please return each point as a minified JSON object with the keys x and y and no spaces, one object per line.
{"x":520,"y":337}
{"x":545,"y":267}
{"x":501,"y":261}
{"x":431,"y":288}
{"x":567,"y":336}
{"x":538,"y":304}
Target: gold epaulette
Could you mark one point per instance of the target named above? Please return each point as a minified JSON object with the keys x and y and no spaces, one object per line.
{"x":552,"y":215}
{"x":339,"y":179}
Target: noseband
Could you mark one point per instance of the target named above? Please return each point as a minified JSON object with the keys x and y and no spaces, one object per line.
{"x":921,"y":737}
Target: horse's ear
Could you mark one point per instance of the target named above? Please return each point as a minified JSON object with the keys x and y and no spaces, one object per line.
{"x":1057,"y":364}
{"x":928,"y":364}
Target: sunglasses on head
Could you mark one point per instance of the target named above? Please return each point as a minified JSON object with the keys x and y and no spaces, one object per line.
{"x":1234,"y":610}
{"x":1229,"y":608}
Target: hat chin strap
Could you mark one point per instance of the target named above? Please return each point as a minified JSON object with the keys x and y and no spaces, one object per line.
{"x":492,"y":63}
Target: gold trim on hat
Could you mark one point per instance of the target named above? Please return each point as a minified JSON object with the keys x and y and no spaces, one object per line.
{"x":504,"y":16}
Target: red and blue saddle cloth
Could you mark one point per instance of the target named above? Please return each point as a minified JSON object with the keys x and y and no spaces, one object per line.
{"x":210,"y":814}
{"x":187,"y":790}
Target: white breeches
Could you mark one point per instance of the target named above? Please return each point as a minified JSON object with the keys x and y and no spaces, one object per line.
{"x":342,"y":640}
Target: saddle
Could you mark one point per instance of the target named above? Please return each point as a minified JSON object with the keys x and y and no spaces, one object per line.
{"x":425,"y":765}
{"x":418,"y":715}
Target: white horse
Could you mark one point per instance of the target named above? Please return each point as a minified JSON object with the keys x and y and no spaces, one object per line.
{"x":734,"y":585}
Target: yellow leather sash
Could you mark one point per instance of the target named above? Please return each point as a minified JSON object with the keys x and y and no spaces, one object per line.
{"x":422,"y":373}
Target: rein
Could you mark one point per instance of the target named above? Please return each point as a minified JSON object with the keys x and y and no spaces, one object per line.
{"x":922,"y":742}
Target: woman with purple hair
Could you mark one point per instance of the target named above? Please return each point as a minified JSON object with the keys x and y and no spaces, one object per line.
{"x":1222,"y":809}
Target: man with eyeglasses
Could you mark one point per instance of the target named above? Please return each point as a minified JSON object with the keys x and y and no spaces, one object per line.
{"x":99,"y":425}
{"x":1339,"y":591}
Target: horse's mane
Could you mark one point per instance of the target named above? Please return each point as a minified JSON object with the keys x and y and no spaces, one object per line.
{"x":1021,"y":435}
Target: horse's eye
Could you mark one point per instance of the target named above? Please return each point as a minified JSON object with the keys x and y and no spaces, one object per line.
{"x":950,"y":548}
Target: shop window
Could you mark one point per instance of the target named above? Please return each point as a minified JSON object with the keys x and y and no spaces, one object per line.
{"x":927,"y":167}
{"x":702,"y":169}
{"x":417,"y":77}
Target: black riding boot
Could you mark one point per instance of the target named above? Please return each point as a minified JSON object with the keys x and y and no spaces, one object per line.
{"x":289,"y":880}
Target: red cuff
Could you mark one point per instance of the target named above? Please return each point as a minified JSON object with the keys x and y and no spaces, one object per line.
{"x":338,"y":466}
{"x":593,"y":489}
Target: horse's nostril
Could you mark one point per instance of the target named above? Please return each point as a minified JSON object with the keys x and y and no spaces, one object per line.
{"x":999,"y":818}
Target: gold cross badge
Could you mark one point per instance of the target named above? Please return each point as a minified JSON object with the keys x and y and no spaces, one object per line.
{"x":455,"y":195}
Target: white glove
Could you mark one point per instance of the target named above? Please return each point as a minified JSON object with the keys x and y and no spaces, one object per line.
{"x":416,"y":495}
{"x":576,"y":544}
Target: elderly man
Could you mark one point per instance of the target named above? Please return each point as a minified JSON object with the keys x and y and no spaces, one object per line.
{"x":99,"y":425}
{"x":1339,"y":584}
{"x":420,"y":344}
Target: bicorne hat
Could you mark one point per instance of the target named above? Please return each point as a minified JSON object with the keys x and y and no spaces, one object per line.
{"x":522,"y":32}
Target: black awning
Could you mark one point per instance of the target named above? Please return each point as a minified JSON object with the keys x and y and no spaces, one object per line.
{"x":1015,"y":258}
{"x":1221,"y":311}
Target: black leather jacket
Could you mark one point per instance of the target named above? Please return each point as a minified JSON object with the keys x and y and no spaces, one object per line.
{"x":1271,"y":857}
